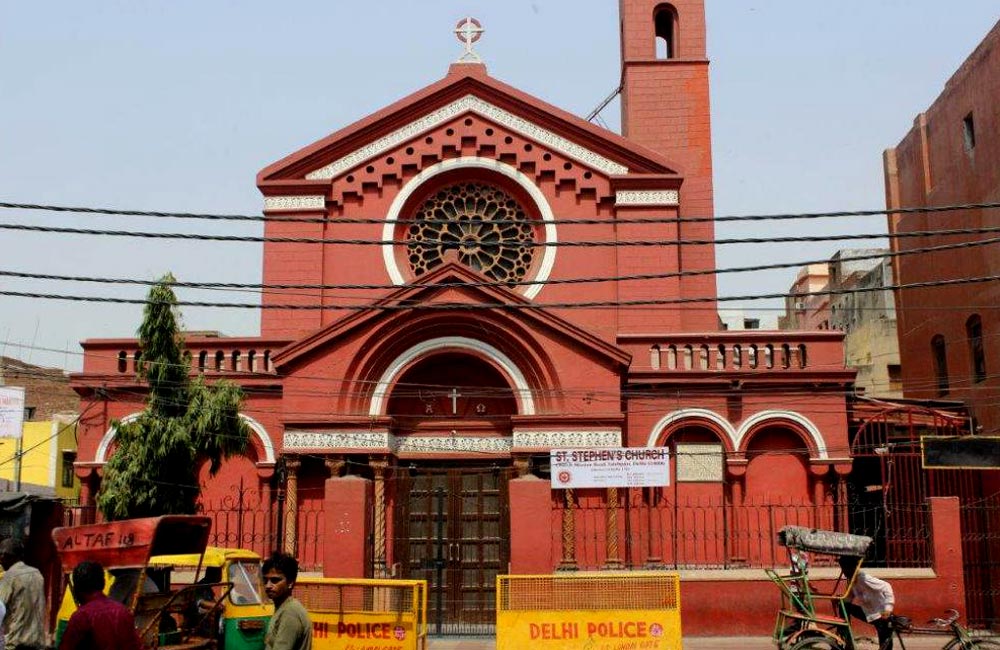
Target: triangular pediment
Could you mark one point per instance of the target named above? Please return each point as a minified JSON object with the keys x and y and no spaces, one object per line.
{"x":451,"y":286}
{"x":466,"y":91}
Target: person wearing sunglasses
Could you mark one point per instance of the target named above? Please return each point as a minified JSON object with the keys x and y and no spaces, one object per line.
{"x":290,"y":627}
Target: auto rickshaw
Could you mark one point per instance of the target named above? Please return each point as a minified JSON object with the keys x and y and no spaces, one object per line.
{"x":245,"y":612}
{"x":809,"y":619}
{"x":165,"y":614}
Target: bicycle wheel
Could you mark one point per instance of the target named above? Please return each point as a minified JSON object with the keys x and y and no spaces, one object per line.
{"x":973,"y":644}
{"x":824,"y":643}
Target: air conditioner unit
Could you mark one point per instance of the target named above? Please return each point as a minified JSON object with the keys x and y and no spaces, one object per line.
{"x":800,"y":305}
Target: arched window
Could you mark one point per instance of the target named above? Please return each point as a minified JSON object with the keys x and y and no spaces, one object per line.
{"x":202,"y":360}
{"x":654,"y":357}
{"x":252,"y":360}
{"x":665,"y":24}
{"x":220,"y":360}
{"x":940,"y":358}
{"x":974,"y":334}
{"x":122,"y":361}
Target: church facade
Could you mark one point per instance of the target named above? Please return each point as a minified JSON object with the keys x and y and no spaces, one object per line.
{"x":477,"y":278}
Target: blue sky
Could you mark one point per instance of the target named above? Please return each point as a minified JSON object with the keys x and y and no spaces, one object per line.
{"x":176,"y":106}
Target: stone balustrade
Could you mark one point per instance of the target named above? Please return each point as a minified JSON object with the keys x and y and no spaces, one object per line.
{"x":743,"y":351}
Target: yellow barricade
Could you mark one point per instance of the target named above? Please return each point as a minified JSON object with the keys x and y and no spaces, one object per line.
{"x":356,"y":614}
{"x":592,"y":611}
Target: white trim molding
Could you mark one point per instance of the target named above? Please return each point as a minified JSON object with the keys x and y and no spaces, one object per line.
{"x":472,"y":162}
{"x":258,"y":430}
{"x":101,"y":456}
{"x":521,"y":389}
{"x":647,"y":197}
{"x":777,"y":417}
{"x":568,"y":439}
{"x":368,"y":440}
{"x":303,"y":202}
{"x":383,"y":441}
{"x":452,"y":444}
{"x":469,"y":103}
{"x":692,"y":413}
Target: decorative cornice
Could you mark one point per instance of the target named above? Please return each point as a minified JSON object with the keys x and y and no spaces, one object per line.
{"x":567,"y":439}
{"x":450,"y":444}
{"x":385,"y":441}
{"x":483,"y":108}
{"x":647,"y":197}
{"x":381,"y":440}
{"x":303,"y":202}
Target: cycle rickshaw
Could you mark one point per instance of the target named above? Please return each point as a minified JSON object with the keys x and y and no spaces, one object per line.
{"x":811,"y":620}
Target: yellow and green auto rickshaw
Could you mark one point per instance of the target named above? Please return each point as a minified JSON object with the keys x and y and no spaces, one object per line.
{"x":245,"y":611}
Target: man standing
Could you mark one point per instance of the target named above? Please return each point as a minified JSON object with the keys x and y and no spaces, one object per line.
{"x":22,"y":591}
{"x":290,"y":628}
{"x":100,"y":623}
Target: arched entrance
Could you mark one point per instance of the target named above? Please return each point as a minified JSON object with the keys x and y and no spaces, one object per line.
{"x":450,"y":520}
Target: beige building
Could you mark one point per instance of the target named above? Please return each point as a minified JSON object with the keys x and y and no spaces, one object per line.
{"x":867,"y":316}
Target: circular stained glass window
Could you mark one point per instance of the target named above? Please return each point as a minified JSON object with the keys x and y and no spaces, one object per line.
{"x":483,"y":224}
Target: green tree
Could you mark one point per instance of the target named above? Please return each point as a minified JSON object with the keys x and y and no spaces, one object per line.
{"x":154,"y":467}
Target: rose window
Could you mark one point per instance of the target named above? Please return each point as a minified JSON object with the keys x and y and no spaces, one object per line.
{"x":483,"y":224}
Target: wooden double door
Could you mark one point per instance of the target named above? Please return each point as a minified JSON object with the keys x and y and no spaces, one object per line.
{"x":452,"y":529}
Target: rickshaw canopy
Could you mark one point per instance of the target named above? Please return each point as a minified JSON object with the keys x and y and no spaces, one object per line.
{"x":130,"y":543}
{"x":828,"y":542}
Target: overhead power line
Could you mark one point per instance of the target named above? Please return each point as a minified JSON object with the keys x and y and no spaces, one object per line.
{"x":456,"y":243}
{"x":510,"y":306}
{"x":496,"y":283}
{"x":586,"y":221}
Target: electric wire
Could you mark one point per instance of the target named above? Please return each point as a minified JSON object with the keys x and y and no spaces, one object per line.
{"x":456,"y":243}
{"x":497,"y":283}
{"x":588,"y":221}
{"x":404,"y":305}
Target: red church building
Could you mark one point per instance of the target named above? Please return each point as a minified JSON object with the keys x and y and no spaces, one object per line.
{"x":470,"y":297}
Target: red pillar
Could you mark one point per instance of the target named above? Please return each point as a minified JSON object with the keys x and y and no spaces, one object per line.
{"x":530,"y":526}
{"x":946,"y":537}
{"x":347,"y":506}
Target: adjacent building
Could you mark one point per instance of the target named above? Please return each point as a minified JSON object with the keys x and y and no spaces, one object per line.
{"x":42,"y":463}
{"x":851,"y":294}
{"x":950,"y":334}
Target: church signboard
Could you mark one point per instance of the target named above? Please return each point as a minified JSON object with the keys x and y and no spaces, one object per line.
{"x":607,"y":468}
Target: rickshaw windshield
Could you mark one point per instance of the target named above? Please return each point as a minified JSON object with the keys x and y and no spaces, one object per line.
{"x":246,"y":579}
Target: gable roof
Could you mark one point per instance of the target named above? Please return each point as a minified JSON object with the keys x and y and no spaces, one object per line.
{"x":467,"y":87}
{"x":453,"y":277}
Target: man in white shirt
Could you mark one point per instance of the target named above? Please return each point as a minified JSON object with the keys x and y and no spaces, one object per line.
{"x":870,"y":600}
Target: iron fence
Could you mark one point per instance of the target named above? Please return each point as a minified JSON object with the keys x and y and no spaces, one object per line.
{"x":712,"y":534}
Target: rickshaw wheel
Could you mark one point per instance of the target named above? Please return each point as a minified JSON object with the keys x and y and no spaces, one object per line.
{"x":816,"y":643}
{"x":974,"y":644}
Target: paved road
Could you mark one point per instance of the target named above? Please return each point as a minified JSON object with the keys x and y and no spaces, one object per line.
{"x":690,"y":643}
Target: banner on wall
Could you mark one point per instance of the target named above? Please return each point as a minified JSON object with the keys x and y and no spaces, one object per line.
{"x":604,"y":468}
{"x":11,"y":411}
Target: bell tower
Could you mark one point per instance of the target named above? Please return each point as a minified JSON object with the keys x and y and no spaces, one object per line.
{"x":665,"y":107}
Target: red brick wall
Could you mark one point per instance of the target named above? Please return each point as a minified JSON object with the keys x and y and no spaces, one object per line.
{"x":45,"y":389}
{"x":931,"y":166}
{"x":665,"y":107}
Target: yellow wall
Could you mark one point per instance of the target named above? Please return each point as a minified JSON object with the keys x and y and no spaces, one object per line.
{"x":42,"y":464}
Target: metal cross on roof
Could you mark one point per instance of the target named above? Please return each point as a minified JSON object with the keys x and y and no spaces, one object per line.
{"x":469,"y":30}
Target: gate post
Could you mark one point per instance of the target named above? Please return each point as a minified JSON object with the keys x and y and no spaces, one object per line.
{"x":347,"y":506}
{"x":946,"y":536}
{"x":530,"y":525}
